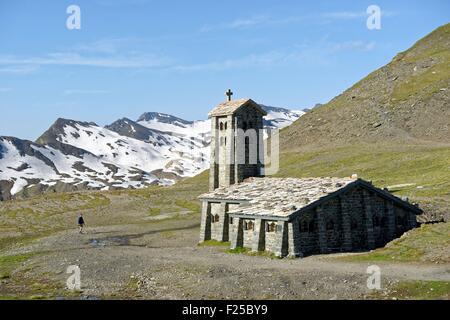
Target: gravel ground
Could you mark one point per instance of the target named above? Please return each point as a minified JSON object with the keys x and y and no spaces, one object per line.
{"x":161,"y":260}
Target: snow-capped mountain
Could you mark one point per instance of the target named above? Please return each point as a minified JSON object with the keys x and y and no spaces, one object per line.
{"x":280,"y":117}
{"x":157,"y":148}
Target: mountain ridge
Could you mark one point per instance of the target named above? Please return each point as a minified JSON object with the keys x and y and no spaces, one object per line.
{"x":76,"y":155}
{"x":405,"y":100}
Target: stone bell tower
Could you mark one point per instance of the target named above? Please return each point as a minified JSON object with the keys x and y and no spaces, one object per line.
{"x":236,"y":142}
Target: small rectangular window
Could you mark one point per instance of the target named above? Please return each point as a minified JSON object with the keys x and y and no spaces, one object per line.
{"x":271,"y":227}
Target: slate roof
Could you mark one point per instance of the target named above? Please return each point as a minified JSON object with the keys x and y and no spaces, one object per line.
{"x":230,"y":107}
{"x":282,"y":197}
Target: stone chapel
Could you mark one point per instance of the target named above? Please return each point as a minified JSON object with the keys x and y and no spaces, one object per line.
{"x":288,"y":216}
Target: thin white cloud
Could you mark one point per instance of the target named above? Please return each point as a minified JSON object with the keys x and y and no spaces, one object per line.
{"x":237,"y":24}
{"x":81,"y":91}
{"x":110,"y":45}
{"x":105,"y":53}
{"x":112,"y":53}
{"x":252,"y":60}
{"x":22,"y":64}
{"x":352,"y":46}
{"x":115,"y":3}
{"x":242,"y":23}
{"x":258,"y":20}
{"x":319,"y":53}
{"x":344,"y":15}
{"x":264,"y":20}
{"x":349,"y":15}
{"x":18,"y":69}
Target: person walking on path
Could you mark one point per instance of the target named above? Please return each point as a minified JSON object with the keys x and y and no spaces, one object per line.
{"x":81,"y":222}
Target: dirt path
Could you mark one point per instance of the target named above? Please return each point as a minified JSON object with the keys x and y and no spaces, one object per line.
{"x":162,"y":260}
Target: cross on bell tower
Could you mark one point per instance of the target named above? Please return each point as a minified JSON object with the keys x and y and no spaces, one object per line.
{"x":237,"y":147}
{"x":229,"y":93}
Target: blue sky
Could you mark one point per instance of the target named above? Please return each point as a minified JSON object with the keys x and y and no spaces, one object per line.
{"x":179,"y":57}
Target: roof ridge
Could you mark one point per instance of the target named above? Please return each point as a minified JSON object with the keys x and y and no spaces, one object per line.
{"x":229,"y":107}
{"x":273,"y":194}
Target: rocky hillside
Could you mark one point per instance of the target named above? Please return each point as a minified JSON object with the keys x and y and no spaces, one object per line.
{"x":392,"y":127}
{"x":72,"y":155}
{"x":406,"y":100}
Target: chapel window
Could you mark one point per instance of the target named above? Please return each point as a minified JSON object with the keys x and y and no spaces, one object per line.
{"x":312,"y":226}
{"x":304,"y":226}
{"x":376,"y":221}
{"x":216,"y":218}
{"x":249,"y":225}
{"x":271,"y":227}
{"x":330,"y":225}
{"x":401,"y":220}
{"x":247,"y":149}
{"x":354,"y":224}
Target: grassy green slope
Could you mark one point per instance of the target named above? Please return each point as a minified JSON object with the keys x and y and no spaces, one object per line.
{"x":23,"y":220}
{"x":419,"y":172}
{"x":392,"y":127}
{"x":408,"y":99}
